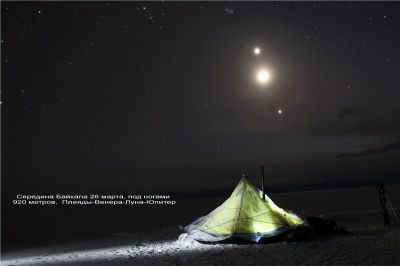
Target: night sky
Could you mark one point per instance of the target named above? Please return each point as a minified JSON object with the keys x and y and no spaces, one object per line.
{"x":162,"y":96}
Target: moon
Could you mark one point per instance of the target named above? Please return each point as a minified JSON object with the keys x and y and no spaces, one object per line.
{"x":257,"y":50}
{"x":263,"y":76}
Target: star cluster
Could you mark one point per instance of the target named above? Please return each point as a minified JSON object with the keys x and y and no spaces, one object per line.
{"x":167,"y":89}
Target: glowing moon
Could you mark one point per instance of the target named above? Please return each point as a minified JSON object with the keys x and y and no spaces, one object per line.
{"x":280,"y":111}
{"x":263,"y":76}
{"x":257,"y":51}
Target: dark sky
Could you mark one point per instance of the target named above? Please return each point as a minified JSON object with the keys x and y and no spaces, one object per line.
{"x":161,"y":97}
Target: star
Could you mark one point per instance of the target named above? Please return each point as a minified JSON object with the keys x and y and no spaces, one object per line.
{"x":229,"y":11}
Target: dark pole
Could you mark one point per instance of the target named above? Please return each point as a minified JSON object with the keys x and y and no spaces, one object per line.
{"x":262,"y":181}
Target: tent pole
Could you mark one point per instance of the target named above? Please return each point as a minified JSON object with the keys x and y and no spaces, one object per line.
{"x":262,"y":182}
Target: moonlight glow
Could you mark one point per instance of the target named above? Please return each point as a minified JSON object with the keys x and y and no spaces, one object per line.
{"x":263,"y":76}
{"x":257,"y":51}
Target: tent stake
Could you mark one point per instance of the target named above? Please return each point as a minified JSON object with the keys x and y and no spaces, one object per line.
{"x":262,"y":181}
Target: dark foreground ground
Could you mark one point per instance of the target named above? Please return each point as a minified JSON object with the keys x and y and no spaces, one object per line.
{"x":137,"y":236}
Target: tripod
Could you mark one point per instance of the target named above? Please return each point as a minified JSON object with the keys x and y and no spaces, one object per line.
{"x":387,"y":209}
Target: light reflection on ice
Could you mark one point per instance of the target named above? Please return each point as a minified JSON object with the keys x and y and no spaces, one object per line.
{"x":183,"y":244}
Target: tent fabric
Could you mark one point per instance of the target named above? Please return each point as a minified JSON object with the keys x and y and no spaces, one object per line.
{"x":243,"y":215}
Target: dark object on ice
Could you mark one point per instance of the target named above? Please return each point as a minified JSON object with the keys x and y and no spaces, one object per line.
{"x":383,"y":199}
{"x":300,"y":233}
{"x":323,"y":226}
{"x":387,"y":208}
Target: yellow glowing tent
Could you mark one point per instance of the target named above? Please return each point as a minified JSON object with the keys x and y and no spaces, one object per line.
{"x":245,"y":215}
